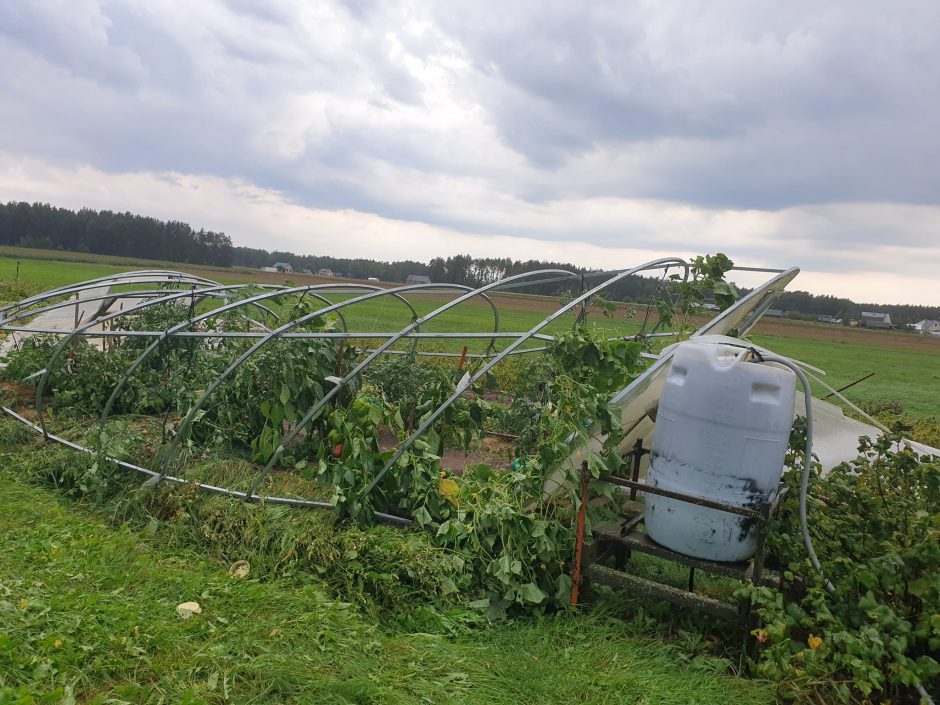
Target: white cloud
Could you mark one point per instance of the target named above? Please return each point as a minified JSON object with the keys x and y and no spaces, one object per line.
{"x":798,"y":133}
{"x":265,"y":218}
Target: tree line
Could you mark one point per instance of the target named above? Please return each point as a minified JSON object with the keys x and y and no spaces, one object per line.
{"x":458,"y":269}
{"x":107,"y":233}
{"x":479,"y":271}
{"x":129,"y":235}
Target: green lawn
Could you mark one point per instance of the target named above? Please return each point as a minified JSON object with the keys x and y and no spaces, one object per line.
{"x":47,"y":274}
{"x":88,"y":611}
{"x":910,"y":377}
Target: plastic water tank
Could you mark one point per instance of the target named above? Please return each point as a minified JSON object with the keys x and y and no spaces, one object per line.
{"x":721,"y":433}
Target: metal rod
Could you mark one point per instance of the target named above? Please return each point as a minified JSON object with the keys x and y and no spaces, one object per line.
{"x":64,"y":343}
{"x":215,"y":312}
{"x":314,"y":410}
{"x":151,"y":277}
{"x":850,"y":384}
{"x":212,"y":489}
{"x":700,"y":501}
{"x":249,"y":335}
{"x":638,"y":452}
{"x":426,"y":424}
{"x":187,"y":421}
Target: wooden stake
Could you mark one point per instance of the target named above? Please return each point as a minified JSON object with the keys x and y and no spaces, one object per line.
{"x":579,"y":543}
{"x":339,"y":357}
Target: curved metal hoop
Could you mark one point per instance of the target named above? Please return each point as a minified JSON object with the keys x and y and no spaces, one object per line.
{"x":404,"y":445}
{"x":187,"y":421}
{"x":13,"y":315}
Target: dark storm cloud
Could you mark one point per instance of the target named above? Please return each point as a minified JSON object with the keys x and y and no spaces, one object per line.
{"x":830,"y":102}
{"x":505,"y":118}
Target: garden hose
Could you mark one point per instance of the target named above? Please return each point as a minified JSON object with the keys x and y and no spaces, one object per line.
{"x":807,"y":462}
{"x":804,"y":483}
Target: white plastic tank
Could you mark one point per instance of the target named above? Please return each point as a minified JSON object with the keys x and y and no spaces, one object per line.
{"x":721,"y":434}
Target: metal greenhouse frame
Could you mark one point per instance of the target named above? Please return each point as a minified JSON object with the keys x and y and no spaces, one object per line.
{"x":98,"y":303}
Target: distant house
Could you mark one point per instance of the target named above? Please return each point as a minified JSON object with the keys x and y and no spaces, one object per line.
{"x":927,"y":326}
{"x":325,"y":272}
{"x":872,"y":319}
{"x":832,"y":320}
{"x":418,"y":279}
{"x":283,"y":267}
{"x":373,"y":279}
{"x":774,"y":313}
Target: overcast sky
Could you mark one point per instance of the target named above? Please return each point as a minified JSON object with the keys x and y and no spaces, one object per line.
{"x":605,"y":134}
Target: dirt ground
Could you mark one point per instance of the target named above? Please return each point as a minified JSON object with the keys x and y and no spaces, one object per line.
{"x":15,"y":395}
{"x":493,"y":450}
{"x":842,"y":334}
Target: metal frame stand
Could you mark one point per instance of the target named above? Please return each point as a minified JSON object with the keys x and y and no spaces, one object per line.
{"x":617,"y":540}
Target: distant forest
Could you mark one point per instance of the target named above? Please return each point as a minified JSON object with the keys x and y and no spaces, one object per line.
{"x":107,"y":233}
{"x":129,"y":235}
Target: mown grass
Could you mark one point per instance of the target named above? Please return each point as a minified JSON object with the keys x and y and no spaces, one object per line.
{"x":34,"y":257}
{"x":87,"y":611}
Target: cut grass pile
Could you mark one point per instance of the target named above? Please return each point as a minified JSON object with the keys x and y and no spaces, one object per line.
{"x":87,"y":611}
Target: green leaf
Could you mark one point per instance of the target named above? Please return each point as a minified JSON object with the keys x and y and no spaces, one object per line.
{"x":563,"y":588}
{"x":531,"y":592}
{"x":422,"y":516}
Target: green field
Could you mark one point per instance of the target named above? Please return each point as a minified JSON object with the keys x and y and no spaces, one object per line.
{"x":40,"y":265}
{"x":905,"y":373}
{"x":909,"y":377}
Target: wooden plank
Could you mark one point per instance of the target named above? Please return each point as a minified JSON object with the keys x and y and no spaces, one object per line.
{"x":637,"y":541}
{"x":657,"y":591}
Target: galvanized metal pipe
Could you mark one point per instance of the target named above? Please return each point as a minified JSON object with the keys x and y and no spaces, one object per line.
{"x":316,"y":408}
{"x":403,"y":447}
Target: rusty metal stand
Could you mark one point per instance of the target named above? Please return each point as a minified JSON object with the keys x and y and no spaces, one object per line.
{"x":619,"y":539}
{"x":579,"y":546}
